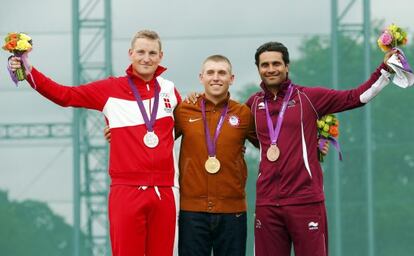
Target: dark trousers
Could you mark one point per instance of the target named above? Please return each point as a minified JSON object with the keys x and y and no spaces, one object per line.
{"x":201,"y":233}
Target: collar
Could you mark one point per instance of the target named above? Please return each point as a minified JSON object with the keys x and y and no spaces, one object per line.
{"x":136,"y":79}
{"x":281,"y":92}
{"x":210,"y":104}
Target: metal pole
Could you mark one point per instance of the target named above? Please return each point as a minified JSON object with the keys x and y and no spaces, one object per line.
{"x":108,"y":38}
{"x":108,"y":61}
{"x":368,"y":137}
{"x":336,"y":177}
{"x":75,"y":132}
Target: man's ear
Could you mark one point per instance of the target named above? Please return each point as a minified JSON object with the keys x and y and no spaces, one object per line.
{"x":232,"y":79}
{"x":129,"y":53}
{"x":200,"y":77}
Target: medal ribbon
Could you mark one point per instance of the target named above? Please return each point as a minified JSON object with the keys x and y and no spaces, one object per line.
{"x":274,"y":132}
{"x":211,"y":145}
{"x":149,"y":123}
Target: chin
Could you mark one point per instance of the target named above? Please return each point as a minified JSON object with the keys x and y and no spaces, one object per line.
{"x":273,"y":83}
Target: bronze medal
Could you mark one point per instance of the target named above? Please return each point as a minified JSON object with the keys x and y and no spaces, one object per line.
{"x":273,"y":153}
{"x":212,"y":165}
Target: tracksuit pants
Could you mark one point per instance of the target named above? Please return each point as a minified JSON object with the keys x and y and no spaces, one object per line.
{"x":304,"y":226}
{"x":143,"y":220}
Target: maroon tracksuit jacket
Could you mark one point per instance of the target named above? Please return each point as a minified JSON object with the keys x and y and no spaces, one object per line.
{"x":293,"y":179}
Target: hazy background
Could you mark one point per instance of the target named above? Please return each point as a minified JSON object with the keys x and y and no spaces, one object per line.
{"x":190,"y":31}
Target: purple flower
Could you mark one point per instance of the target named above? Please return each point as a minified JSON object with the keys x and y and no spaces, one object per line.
{"x":386,"y":38}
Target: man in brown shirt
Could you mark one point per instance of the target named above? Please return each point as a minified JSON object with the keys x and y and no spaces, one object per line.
{"x":213,"y":172}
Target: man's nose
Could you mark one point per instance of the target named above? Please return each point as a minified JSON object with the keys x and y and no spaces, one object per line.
{"x":146,"y":57}
{"x":272,"y":69}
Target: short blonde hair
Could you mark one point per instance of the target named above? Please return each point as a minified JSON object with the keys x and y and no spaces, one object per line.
{"x":218,"y":58}
{"x":148,"y":34}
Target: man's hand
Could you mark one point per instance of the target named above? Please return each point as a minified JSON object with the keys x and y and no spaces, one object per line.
{"x":107,"y":134}
{"x":325,"y":148}
{"x":15,"y":63}
{"x":192,"y":97}
{"x":387,"y":56}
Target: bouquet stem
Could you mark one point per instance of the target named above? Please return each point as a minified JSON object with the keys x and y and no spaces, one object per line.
{"x":21,"y":74}
{"x":320,"y":156}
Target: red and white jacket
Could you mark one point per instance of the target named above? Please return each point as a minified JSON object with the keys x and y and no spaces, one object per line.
{"x":130,"y":161}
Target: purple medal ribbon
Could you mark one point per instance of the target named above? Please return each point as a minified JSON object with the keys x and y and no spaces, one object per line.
{"x":211,"y":145}
{"x":274,"y":132}
{"x":148,"y":123}
{"x":334,"y":142}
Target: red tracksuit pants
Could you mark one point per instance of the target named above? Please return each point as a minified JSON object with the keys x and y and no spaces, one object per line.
{"x":304,"y":226}
{"x":143,"y":220}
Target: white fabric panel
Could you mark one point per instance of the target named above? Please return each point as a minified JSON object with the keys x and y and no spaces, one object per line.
{"x":382,"y":81}
{"x":122,"y":113}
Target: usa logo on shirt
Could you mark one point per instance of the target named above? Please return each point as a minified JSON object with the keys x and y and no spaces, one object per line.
{"x":234,"y":120}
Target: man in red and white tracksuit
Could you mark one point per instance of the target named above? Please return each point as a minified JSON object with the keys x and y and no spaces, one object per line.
{"x":290,"y":201}
{"x":143,"y":198}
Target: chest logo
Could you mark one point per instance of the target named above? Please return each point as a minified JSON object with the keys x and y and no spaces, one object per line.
{"x":234,"y":120}
{"x":167,"y":103}
{"x":192,"y":120}
{"x":261,"y":105}
{"x":291,"y":103}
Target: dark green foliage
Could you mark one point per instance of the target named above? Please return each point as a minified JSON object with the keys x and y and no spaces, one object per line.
{"x":30,"y":228}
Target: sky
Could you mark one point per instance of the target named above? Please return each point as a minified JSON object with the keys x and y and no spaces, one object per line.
{"x":190,"y":31}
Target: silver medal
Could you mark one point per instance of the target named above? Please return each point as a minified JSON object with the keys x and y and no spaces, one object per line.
{"x":151,"y":140}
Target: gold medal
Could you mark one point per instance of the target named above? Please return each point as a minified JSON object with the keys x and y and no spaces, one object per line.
{"x":273,"y":153}
{"x":212,"y":165}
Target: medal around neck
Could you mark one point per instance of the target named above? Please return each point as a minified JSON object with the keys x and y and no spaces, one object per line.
{"x":212,"y":165}
{"x":273,"y":153}
{"x":151,"y":139}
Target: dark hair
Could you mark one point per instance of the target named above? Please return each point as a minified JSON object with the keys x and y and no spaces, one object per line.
{"x":272,"y":47}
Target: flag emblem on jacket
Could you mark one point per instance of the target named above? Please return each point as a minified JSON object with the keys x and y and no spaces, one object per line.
{"x":167,"y":105}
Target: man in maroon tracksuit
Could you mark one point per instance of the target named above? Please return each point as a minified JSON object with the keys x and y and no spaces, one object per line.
{"x":290,"y":201}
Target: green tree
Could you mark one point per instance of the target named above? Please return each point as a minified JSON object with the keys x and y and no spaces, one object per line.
{"x":30,"y":228}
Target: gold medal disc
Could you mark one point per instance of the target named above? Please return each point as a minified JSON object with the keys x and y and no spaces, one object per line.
{"x":212,"y":165}
{"x":273,"y":153}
